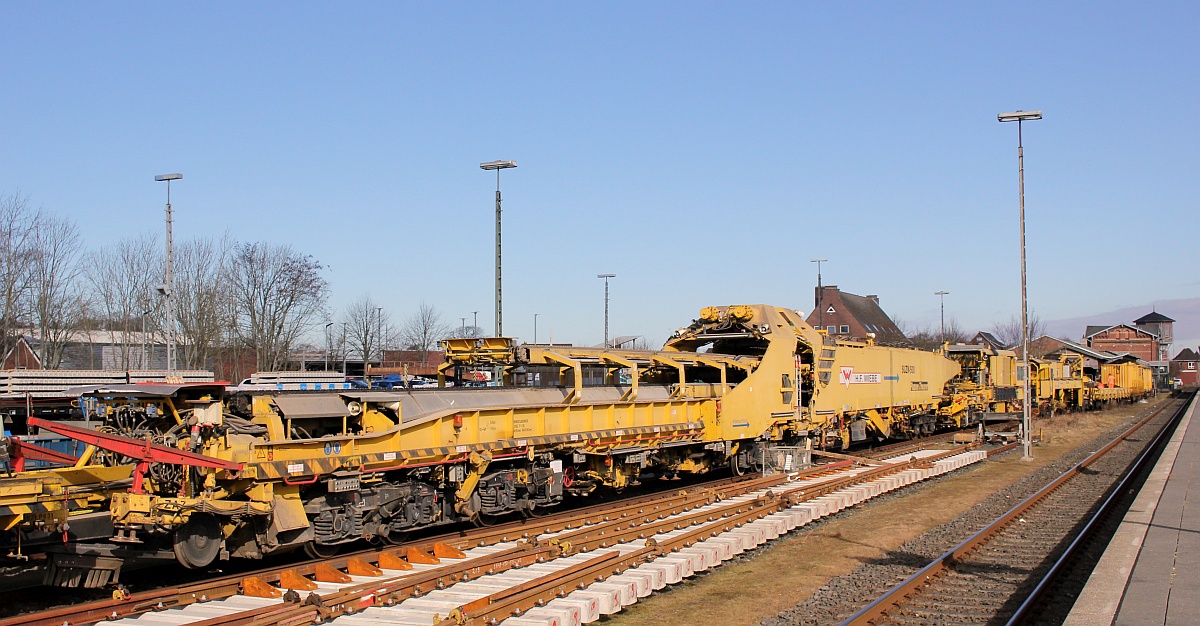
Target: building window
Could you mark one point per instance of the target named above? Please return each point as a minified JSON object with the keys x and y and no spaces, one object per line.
{"x":1191,"y":365}
{"x":845,"y":329}
{"x":832,"y":330}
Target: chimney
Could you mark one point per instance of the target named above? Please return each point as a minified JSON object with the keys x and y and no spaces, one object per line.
{"x":873,"y":298}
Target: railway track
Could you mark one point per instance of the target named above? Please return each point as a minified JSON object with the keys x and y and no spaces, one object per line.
{"x":1001,"y":572}
{"x":562,"y":569}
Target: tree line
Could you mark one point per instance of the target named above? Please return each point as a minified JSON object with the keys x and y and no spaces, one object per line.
{"x":931,"y":337}
{"x":258,"y":299}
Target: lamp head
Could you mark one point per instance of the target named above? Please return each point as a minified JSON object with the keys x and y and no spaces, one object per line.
{"x":1019,"y":116}
{"x":162,"y":177}
{"x":497,"y":165}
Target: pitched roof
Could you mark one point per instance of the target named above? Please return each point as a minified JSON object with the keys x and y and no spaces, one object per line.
{"x":1096,"y":330}
{"x":991,"y":339}
{"x":1099,"y":355}
{"x":1153,"y":317}
{"x":868,"y":313}
{"x":1187,"y":354}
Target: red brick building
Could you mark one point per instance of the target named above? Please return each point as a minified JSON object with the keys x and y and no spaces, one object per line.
{"x":1124,"y":338}
{"x":853,"y":317}
{"x":1186,"y":367}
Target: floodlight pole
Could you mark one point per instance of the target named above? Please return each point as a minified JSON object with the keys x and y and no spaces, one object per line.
{"x":942,"y":296}
{"x":606,"y":277}
{"x":820,"y":294}
{"x":1027,"y":436}
{"x":168,"y":287}
{"x":498,"y":165}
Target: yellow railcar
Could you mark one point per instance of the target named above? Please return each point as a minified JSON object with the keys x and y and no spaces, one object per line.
{"x":262,"y":472}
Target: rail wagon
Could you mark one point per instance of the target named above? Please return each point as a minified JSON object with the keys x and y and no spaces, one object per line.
{"x":213,"y":475}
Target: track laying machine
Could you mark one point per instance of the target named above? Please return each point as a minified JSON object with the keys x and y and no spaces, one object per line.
{"x":191,"y":472}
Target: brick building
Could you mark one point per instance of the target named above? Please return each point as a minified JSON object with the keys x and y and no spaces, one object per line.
{"x":1186,"y":367}
{"x":853,"y":317}
{"x":1124,"y":338}
{"x":1163,"y":327}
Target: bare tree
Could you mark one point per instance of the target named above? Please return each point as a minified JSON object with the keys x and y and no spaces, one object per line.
{"x":55,"y":288}
{"x":279,"y":294}
{"x":423,"y":329}
{"x":203,"y":307}
{"x":17,"y":224}
{"x":122,"y":278}
{"x":1009,"y":333}
{"x":365,"y":321}
{"x":931,"y":337}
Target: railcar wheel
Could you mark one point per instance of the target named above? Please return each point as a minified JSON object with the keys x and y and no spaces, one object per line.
{"x":198,"y":542}
{"x":737,"y":469}
{"x":321,"y":551}
{"x":535,"y":511}
{"x":484,"y":520}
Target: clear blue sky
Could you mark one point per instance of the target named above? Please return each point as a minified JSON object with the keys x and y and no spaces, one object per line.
{"x":702,"y":152}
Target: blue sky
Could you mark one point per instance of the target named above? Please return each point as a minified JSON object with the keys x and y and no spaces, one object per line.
{"x":703,"y":152}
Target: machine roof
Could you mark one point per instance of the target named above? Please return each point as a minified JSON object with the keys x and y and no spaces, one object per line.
{"x":303,"y":406}
{"x":143,"y":390}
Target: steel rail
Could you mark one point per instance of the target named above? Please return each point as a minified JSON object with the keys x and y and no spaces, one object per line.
{"x":897,"y":595}
{"x":603,"y":516}
{"x":225,"y":586}
{"x":597,"y":536}
{"x":1148,"y":456}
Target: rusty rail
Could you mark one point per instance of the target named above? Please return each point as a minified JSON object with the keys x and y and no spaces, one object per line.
{"x":625,"y":520}
{"x":879,"y":608}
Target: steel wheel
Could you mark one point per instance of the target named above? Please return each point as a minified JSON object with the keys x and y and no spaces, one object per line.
{"x":198,"y":542}
{"x":321,"y":551}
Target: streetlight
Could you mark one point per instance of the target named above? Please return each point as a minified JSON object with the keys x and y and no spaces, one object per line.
{"x":343,"y":349}
{"x":606,"y":277}
{"x":498,"y":165}
{"x":1018,"y":117}
{"x":820,"y":294}
{"x":464,"y":326}
{"x":144,"y":314}
{"x":942,"y":296}
{"x":535,"y":316}
{"x":327,"y":345}
{"x":168,"y":287}
{"x":379,"y":331}
{"x":476,"y":322}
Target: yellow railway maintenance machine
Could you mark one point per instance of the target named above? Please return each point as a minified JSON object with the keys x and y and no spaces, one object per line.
{"x":255,"y":473}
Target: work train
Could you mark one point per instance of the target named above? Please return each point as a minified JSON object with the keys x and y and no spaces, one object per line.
{"x":191,"y":471}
